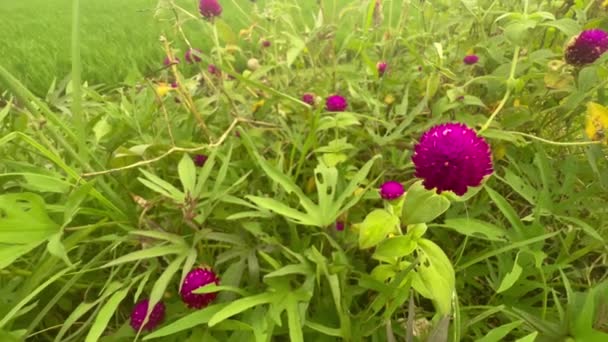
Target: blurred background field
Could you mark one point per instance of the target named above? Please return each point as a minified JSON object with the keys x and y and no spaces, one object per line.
{"x":119,"y":38}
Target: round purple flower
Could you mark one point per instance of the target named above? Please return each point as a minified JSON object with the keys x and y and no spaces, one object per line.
{"x":588,"y":46}
{"x":139,"y":314}
{"x":336,"y":103}
{"x":200,"y":160}
{"x":209,"y":8}
{"x":381,"y":66}
{"x":452,"y":157}
{"x":192,"y":55}
{"x":391,"y":190}
{"x":309,"y":98}
{"x":169,"y":61}
{"x":195,"y":279}
{"x":470,"y":59}
{"x":266,"y":43}
{"x":340,"y":226}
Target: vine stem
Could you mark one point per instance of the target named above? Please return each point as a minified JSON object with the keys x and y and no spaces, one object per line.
{"x":557,"y":143}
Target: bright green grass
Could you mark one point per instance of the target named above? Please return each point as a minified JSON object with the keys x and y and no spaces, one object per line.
{"x":118,"y":37}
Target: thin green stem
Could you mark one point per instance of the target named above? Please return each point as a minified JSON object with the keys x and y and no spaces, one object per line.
{"x":556,"y":143}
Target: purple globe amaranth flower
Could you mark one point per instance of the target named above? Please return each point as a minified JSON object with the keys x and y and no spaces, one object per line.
{"x":209,"y":8}
{"x":336,"y":103}
{"x":585,"y":48}
{"x":212,"y":69}
{"x":381,"y":66}
{"x":309,"y":98}
{"x":266,"y":43}
{"x":195,"y":279}
{"x":391,"y":190}
{"x":470,"y":59}
{"x":192,"y":55}
{"x":340,"y":226}
{"x":139,"y":314}
{"x":200,"y":160}
{"x":452,"y":157}
{"x":168,"y":61}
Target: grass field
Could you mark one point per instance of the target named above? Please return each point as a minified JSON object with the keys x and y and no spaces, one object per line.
{"x":118,"y":38}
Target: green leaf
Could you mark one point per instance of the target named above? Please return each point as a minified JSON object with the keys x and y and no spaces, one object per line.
{"x":10,"y":253}
{"x":24,"y":220}
{"x":284,"y":210}
{"x":422,"y":205}
{"x":517,"y":32}
{"x":162,"y":187}
{"x":325,"y":330}
{"x":294,"y":320}
{"x":210,"y":288}
{"x":45,"y":183}
{"x":436,"y":276}
{"x":376,"y":226}
{"x":187,"y":173}
{"x":510,"y":278}
{"x":568,"y":26}
{"x":297,"y":46}
{"x":147,"y":253}
{"x":74,"y":201}
{"x":507,"y":210}
{"x":339,"y":120}
{"x":499,"y":333}
{"x":240,"y":305}
{"x":105,"y":314}
{"x":160,"y":286}
{"x":56,"y":248}
{"x":187,"y":322}
{"x":528,"y":338}
{"x":474,"y":228}
{"x":290,"y":269}
{"x":395,"y":247}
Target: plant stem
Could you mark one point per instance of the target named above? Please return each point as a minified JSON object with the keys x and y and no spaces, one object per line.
{"x":556,"y":143}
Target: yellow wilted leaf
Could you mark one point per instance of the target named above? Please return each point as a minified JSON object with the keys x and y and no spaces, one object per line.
{"x":597,"y":122}
{"x":389,"y":99}
{"x":499,"y":152}
{"x":310,"y":185}
{"x":256,"y":106}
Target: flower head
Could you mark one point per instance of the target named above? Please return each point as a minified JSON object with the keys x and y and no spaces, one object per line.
{"x":192,"y":55}
{"x":213,"y":70}
{"x":585,"y":48}
{"x":168,"y":61}
{"x":381,"y":66}
{"x":195,"y":279}
{"x":452,"y":157}
{"x":470,"y":59}
{"x":391,"y":190}
{"x":200,"y":159}
{"x":139,"y":314}
{"x":336,"y":103}
{"x":266,"y":43}
{"x":309,"y":98}
{"x":340,"y":225}
{"x":209,"y":8}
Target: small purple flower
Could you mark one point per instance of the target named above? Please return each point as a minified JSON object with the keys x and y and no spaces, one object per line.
{"x":470,"y":59}
{"x":192,"y":55}
{"x":588,"y":46}
{"x":169,"y":61}
{"x":336,"y":103}
{"x":195,"y":279}
{"x":213,"y":70}
{"x":340,"y":225}
{"x":266,"y":43}
{"x":139,"y":314}
{"x":452,"y":157}
{"x":309,"y":98}
{"x":381,"y":66}
{"x":200,"y":160}
{"x":391,"y":190}
{"x":174,"y":85}
{"x":209,"y":8}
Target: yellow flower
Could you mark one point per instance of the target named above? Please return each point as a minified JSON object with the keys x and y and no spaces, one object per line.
{"x":597,"y":122}
{"x":605,"y":4}
{"x":162,"y":89}
{"x":389,"y":99}
{"x":257,"y":106}
{"x":359,"y":191}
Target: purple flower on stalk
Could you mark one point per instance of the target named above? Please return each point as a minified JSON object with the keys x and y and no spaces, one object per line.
{"x":169,"y":61}
{"x":381,"y":66}
{"x":209,"y":8}
{"x":139,"y":314}
{"x":192,"y":55}
{"x":340,"y":226}
{"x":452,"y":157}
{"x":585,"y":48}
{"x":391,"y":190}
{"x":470,"y":59}
{"x":195,"y":279}
{"x":200,"y":160}
{"x":336,"y":103}
{"x":309,"y":98}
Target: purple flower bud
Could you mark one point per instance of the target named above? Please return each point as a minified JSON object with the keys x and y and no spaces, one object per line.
{"x":195,"y":279}
{"x":192,"y":55}
{"x":336,"y":103}
{"x":381,"y":66}
{"x":391,"y":190}
{"x":174,"y":85}
{"x":169,"y":61}
{"x":588,"y":46}
{"x":200,"y":160}
{"x":139,"y":314}
{"x":309,"y":98}
{"x":213,"y":70}
{"x":209,"y":8}
{"x":470,"y":59}
{"x":266,"y":43}
{"x":340,"y":225}
{"x":452,"y":157}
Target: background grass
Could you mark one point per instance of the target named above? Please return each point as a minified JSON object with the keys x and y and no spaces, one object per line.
{"x":119,"y":38}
